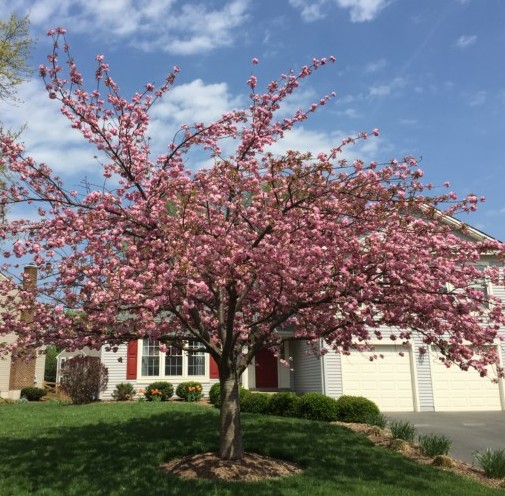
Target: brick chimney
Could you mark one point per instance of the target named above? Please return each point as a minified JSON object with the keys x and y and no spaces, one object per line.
{"x":22,"y":373}
{"x":30,"y":278}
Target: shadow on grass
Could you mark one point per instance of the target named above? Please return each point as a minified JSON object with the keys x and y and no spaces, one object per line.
{"x":120,"y":449}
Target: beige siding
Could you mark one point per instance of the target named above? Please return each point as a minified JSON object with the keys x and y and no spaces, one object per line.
{"x":5,"y":366}
{"x":40,"y":364}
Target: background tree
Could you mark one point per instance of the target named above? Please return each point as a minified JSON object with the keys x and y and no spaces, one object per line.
{"x":230,"y":255}
{"x":15,"y":48}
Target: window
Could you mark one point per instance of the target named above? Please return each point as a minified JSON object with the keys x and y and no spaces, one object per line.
{"x":150,"y":357}
{"x":173,"y":361}
{"x":196,"y":358}
{"x":189,"y":362}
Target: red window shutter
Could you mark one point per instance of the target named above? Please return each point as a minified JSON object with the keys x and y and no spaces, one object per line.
{"x":214,"y":370}
{"x":131,"y":360}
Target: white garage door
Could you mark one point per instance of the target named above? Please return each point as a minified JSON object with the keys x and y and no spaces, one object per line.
{"x":456,"y":390}
{"x":387,"y":381}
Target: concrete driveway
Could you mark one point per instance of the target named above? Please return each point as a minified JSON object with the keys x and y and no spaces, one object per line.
{"x":469,"y":431}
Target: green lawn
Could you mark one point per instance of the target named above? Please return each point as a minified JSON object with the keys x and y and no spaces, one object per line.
{"x":109,"y":449}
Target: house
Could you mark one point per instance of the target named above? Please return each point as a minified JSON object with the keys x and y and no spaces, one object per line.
{"x":64,"y":355}
{"x":15,"y":375}
{"x":413,"y":382}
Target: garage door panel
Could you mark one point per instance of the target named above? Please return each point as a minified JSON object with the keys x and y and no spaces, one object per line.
{"x":387,"y":381}
{"x":458,"y":390}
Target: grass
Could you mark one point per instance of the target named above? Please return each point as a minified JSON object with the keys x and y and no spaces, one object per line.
{"x":115,"y":449}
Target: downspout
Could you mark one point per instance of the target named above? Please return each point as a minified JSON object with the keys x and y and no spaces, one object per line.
{"x":323,"y":375}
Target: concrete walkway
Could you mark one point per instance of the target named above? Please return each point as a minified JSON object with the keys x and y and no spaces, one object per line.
{"x":469,"y":431}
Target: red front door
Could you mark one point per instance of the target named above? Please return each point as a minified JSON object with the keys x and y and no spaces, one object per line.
{"x":266,"y":369}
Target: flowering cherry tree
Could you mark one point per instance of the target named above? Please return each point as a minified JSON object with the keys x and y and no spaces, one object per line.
{"x":229,"y":255}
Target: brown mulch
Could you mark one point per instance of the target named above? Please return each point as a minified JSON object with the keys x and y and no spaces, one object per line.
{"x":251,"y":467}
{"x":382,"y":437}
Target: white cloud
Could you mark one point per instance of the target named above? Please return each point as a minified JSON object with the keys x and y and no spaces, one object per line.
{"x":310,"y":10}
{"x":465,"y":41}
{"x":409,"y":122}
{"x":188,"y":104}
{"x":306,"y":140}
{"x":363,"y":10}
{"x":147,"y":24}
{"x":381,"y":90}
{"x":478,"y":99}
{"x":375,"y":66}
{"x":360,"y":10}
{"x":48,"y":136}
{"x":350,"y":113}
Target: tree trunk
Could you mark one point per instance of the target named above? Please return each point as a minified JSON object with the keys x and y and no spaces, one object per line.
{"x":230,"y":444}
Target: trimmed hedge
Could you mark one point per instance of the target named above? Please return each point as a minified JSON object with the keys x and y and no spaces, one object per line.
{"x":356,"y":409}
{"x":311,"y":406}
{"x":33,"y":393}
{"x":285,"y":404}
{"x":159,"y":391}
{"x":255,"y":403}
{"x":215,"y":394}
{"x":189,"y":391}
{"x":317,"y":406}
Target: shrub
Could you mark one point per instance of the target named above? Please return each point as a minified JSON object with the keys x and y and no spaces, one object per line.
{"x":492,"y":462}
{"x":402,"y":429}
{"x":356,"y":409}
{"x":189,"y":391}
{"x":284,"y":404}
{"x":33,"y":393}
{"x":159,"y":391}
{"x":124,"y":392}
{"x":434,"y":444}
{"x":215,"y":394}
{"x":82,"y":379}
{"x":317,"y":406}
{"x":255,"y":403}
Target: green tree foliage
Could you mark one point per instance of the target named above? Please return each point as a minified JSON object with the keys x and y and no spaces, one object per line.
{"x":50,"y":368}
{"x":15,"y":47}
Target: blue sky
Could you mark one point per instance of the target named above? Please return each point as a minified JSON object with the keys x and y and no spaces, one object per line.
{"x":429,"y":74}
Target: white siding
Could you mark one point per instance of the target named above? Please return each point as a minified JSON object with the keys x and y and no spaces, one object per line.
{"x":424,"y":380}
{"x":307,"y":369}
{"x":332,"y":370}
{"x":116,"y":366}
